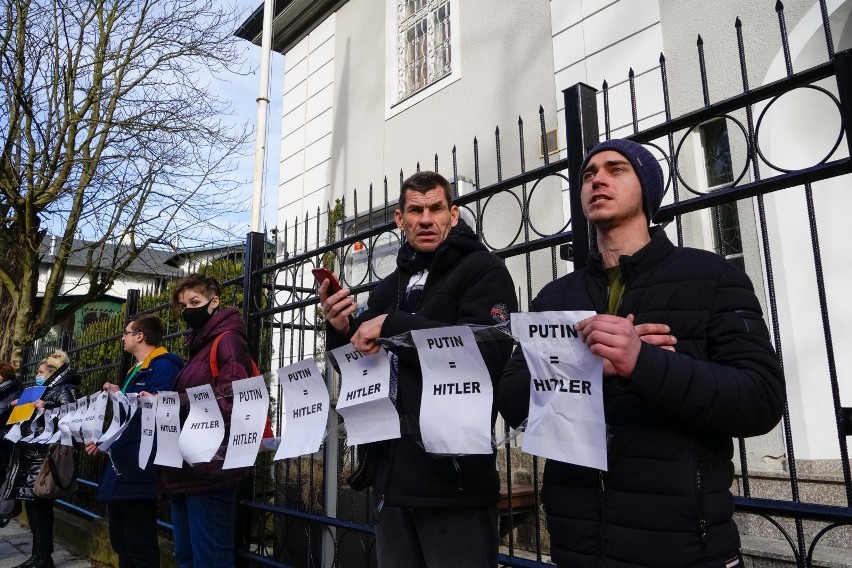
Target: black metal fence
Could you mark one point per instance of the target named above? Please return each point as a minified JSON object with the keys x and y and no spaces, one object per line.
{"x":300,"y":511}
{"x":307,"y":516}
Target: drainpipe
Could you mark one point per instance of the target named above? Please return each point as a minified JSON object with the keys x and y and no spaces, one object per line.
{"x":262,"y":112}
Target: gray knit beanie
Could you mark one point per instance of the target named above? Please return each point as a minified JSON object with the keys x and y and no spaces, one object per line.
{"x":645,"y":165}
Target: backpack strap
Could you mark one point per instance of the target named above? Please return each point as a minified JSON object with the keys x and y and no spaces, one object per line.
{"x":214,"y":370}
{"x":214,"y":363}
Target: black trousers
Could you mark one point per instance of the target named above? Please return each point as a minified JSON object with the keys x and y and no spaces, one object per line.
{"x":437,"y":538}
{"x":40,"y":516}
{"x":133,"y":532}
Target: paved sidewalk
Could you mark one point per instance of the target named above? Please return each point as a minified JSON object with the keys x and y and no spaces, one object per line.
{"x":16,"y":543}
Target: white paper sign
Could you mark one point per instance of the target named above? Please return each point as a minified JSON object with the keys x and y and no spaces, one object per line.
{"x":168,"y":430}
{"x":77,"y":419}
{"x":14,"y":434}
{"x":305,"y":404}
{"x":33,"y":426}
{"x":146,"y":442}
{"x":57,"y":433}
{"x":68,"y":412}
{"x":119,"y":400}
{"x":93,"y":423}
{"x":49,"y":421}
{"x":566,"y":419}
{"x":455,"y":408}
{"x":369,"y":414}
{"x":204,"y":428}
{"x":248,"y":418}
{"x":123,"y":405}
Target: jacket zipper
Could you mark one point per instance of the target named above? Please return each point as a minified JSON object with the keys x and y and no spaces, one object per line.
{"x":377,"y":516}
{"x":702,"y":522}
{"x":457,"y":467}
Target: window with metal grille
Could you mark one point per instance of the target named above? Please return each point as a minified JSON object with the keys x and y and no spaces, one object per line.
{"x":719,"y":172}
{"x":423,"y":44}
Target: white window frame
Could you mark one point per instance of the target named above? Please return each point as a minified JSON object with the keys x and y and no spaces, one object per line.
{"x":393,"y":106}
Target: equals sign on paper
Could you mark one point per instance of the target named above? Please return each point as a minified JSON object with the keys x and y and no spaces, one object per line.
{"x":554,"y":359}
{"x":452,"y":364}
{"x":364,"y":372}
{"x":248,"y":416}
{"x":305,"y":392}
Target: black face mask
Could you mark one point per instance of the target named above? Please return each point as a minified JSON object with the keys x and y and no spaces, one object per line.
{"x":196,"y":318}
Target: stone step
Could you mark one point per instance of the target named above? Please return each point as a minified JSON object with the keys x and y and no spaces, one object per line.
{"x":823,"y":488}
{"x":762,"y":552}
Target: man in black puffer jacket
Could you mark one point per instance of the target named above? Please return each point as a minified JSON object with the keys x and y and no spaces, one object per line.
{"x":671,"y":411}
{"x":435,"y":511}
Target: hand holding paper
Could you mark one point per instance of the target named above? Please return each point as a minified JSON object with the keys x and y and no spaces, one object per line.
{"x":366,"y":338}
{"x":658,"y":334}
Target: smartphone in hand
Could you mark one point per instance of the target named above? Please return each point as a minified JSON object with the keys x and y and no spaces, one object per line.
{"x":322,"y":274}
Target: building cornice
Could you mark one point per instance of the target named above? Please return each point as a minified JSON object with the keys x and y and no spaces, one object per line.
{"x":293,"y":20}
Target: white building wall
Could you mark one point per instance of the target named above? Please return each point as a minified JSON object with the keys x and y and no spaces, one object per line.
{"x":602,"y":40}
{"x":306,"y":126}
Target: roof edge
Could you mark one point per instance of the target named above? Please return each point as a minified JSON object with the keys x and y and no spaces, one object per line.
{"x":293,"y":20}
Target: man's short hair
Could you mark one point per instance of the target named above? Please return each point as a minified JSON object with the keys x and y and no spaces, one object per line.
{"x":151,"y":327}
{"x":207,"y":285}
{"x":422,"y":182}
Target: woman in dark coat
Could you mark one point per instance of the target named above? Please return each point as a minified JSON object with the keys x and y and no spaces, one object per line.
{"x":10,"y":389}
{"x":61,"y":382}
{"x":204,"y":496}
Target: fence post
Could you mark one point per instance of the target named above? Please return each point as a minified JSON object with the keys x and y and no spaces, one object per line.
{"x":581,"y":133}
{"x":843,"y":76}
{"x":253,"y":257}
{"x":131,"y":308}
{"x":252,"y":290}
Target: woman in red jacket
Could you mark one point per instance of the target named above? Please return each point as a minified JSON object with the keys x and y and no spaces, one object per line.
{"x":204,"y":496}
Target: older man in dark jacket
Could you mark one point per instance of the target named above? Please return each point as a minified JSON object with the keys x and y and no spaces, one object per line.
{"x":671,"y":406}
{"x":434,"y":511}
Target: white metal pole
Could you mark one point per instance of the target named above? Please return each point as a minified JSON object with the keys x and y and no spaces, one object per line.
{"x":262,"y":113}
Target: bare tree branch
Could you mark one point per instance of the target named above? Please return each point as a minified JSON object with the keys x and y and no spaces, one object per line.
{"x":113,"y":132}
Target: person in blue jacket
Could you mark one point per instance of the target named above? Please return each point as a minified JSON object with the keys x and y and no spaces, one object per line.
{"x":130,"y":492}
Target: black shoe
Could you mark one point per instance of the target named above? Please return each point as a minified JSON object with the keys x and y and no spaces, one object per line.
{"x":37,"y":562}
{"x":43,"y":562}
